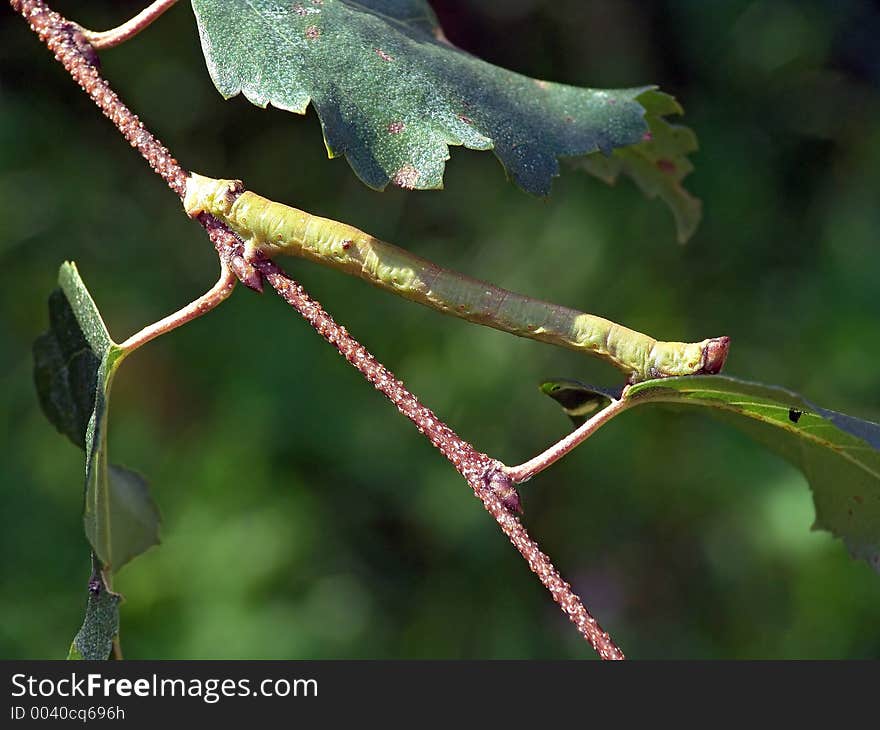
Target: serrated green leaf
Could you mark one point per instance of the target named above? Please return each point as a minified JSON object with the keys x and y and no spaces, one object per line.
{"x":392,"y":94}
{"x":658,"y":164}
{"x":100,"y":627}
{"x":838,"y":454}
{"x":74,"y":365}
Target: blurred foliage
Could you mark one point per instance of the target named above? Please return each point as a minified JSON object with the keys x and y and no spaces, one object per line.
{"x":303,"y":518}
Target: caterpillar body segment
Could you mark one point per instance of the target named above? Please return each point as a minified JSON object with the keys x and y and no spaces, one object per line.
{"x":277,"y":229}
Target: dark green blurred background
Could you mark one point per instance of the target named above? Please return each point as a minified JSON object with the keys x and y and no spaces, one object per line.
{"x":303,"y":517}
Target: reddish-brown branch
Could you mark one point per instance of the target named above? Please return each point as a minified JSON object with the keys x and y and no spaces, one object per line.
{"x":485,"y":476}
{"x":494,"y":488}
{"x":73,"y":51}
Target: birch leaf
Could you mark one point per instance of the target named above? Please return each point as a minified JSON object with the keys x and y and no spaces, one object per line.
{"x":392,"y":94}
{"x":839,"y":455}
{"x":100,"y":626}
{"x":74,"y":365}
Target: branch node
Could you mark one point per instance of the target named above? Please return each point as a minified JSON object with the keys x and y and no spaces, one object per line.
{"x":503,"y":487}
{"x":491,"y":481}
{"x":79,"y":39}
{"x":246,"y":273}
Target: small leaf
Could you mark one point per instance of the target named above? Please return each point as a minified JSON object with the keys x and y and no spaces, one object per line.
{"x":392,"y":94}
{"x":658,"y":164}
{"x":838,"y":454}
{"x":578,"y":400}
{"x":100,"y":627}
{"x":65,"y":371}
{"x":74,"y":364}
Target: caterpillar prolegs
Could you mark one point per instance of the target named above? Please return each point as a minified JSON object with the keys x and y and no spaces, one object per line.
{"x":275,"y":229}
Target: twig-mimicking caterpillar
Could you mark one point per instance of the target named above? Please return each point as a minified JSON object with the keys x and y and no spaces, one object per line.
{"x":273,"y":229}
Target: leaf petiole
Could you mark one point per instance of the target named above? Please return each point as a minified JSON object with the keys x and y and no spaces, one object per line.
{"x":204,"y":304}
{"x":100,"y":40}
{"x":525,"y":471}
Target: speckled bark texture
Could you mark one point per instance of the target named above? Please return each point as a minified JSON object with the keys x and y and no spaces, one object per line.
{"x":72,"y":50}
{"x":482,"y":473}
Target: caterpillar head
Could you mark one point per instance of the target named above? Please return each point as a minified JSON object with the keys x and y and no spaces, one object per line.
{"x":714,"y":354}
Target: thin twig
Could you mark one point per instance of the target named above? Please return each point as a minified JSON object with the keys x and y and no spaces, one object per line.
{"x":483,"y":474}
{"x":99,"y":40}
{"x":204,"y":304}
{"x":524,"y":472}
{"x":73,"y":51}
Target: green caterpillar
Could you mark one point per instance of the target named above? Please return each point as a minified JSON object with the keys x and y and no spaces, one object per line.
{"x":274,"y":228}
